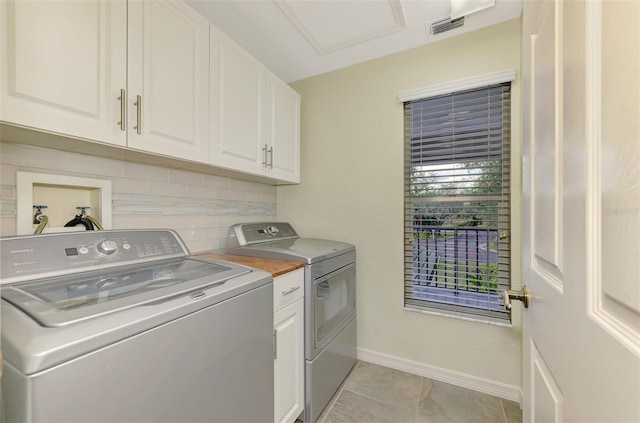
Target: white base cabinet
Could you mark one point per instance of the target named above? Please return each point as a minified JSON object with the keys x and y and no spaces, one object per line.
{"x":288,"y":332}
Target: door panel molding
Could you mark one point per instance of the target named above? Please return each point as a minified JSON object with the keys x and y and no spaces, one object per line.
{"x":611,"y":218}
{"x":548,"y":398}
{"x":546,"y":146}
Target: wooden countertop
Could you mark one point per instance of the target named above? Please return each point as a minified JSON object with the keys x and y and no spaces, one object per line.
{"x":275,"y":267}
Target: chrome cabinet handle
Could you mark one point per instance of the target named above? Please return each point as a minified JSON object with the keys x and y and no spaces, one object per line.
{"x":138,"y":105}
{"x":271,"y":161}
{"x":264,"y":151}
{"x":522,"y":295}
{"x":123,"y":108}
{"x":275,"y":344}
{"x":295,"y":288}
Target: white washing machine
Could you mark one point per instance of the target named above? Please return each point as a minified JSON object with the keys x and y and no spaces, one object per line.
{"x":126,"y":326}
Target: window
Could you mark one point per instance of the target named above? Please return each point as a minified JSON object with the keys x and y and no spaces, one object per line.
{"x":457,"y":207}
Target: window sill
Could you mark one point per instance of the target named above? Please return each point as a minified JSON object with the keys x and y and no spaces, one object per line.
{"x":460,"y":316}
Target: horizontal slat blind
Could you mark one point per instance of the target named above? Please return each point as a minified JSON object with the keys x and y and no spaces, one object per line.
{"x":457,"y":208}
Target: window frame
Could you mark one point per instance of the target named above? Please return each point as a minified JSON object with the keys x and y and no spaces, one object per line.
{"x":434,"y":91}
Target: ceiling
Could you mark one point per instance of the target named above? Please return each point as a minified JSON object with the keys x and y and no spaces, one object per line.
{"x":297,"y":39}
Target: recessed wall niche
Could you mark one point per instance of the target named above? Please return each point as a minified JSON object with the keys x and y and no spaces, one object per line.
{"x":61,"y":194}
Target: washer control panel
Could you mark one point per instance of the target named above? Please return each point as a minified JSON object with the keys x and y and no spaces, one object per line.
{"x":107,"y":247}
{"x":72,"y":252}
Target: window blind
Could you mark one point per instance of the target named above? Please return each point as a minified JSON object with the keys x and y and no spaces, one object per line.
{"x":457,"y":205}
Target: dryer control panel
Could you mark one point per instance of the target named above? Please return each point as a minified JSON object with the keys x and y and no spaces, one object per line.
{"x":255,"y":233}
{"x":31,"y":257}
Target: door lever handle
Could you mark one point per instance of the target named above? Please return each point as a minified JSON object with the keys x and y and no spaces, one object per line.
{"x":522,"y":295}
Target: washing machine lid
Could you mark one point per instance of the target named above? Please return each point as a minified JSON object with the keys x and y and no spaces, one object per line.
{"x":306,"y":250}
{"x":64,"y":300}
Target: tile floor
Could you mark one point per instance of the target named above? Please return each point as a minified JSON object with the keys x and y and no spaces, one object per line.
{"x":373,"y":393}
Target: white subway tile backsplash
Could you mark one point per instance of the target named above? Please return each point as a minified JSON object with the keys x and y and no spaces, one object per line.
{"x":251,"y":196}
{"x":8,"y":226}
{"x":217,"y":232}
{"x":8,"y":174}
{"x":129,"y":186}
{"x":187,"y":178}
{"x":200,"y":245}
{"x":268,"y":197}
{"x":201,"y":221}
{"x":264,"y":188}
{"x":35,"y":157}
{"x":146,"y":221}
{"x":203,"y":192}
{"x":80,"y":163}
{"x":200,"y":207}
{"x":165,"y":188}
{"x":217,"y":181}
{"x":191,"y":234}
{"x":229,"y":194}
{"x":238,"y":185}
{"x":145,"y":172}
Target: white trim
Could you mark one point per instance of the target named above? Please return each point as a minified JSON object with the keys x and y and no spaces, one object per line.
{"x":486,"y":386}
{"x":478,"y":81}
{"x":454,"y":315}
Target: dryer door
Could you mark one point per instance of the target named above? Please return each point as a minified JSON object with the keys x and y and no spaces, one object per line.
{"x":334,"y":301}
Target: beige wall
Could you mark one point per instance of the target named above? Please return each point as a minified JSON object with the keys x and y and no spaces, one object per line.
{"x":352,"y":190}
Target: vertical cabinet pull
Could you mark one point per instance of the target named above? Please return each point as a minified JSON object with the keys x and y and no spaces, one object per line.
{"x":138,"y":105}
{"x":275,"y":344}
{"x":264,"y":151}
{"x":271,"y":157}
{"x":123,"y":108}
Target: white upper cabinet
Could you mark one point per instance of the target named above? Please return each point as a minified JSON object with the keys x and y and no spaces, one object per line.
{"x":63,"y":66}
{"x":237,"y":116}
{"x":168,"y":91}
{"x":150,"y":75}
{"x":283,"y":130}
{"x":255,"y":117}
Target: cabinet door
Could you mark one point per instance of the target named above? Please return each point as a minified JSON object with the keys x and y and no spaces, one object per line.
{"x":238,"y":142}
{"x":289,"y":362}
{"x":168,"y":76}
{"x":283,"y":130}
{"x":63,"y":66}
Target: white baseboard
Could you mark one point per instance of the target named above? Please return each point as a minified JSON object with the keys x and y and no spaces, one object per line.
{"x":486,"y":386}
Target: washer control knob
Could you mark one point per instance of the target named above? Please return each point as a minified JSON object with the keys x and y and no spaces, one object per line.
{"x":273,"y":230}
{"x":107,"y":247}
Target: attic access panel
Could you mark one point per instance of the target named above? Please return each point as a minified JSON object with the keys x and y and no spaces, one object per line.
{"x":329,"y":26}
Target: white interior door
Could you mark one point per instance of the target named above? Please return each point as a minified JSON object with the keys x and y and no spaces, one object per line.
{"x":581,"y":245}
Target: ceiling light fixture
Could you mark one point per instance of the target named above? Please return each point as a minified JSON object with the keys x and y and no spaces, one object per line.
{"x":460,"y":8}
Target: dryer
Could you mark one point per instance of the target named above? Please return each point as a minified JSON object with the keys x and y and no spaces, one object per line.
{"x":330,"y":301}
